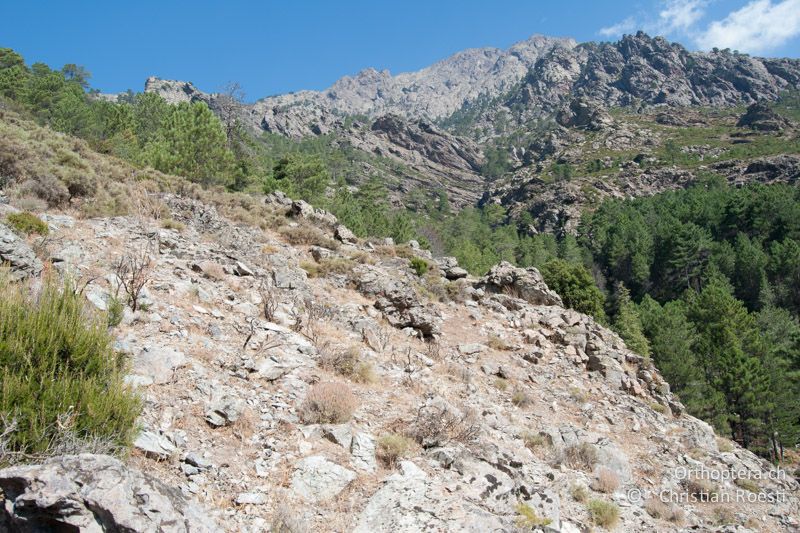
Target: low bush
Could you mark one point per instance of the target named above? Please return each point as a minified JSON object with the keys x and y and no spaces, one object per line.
{"x":528,"y":519}
{"x":327,"y":267}
{"x":663,"y":511}
{"x":534,"y":441}
{"x":419,"y":266}
{"x":604,"y":514}
{"x":392,"y":447}
{"x":579,"y":492}
{"x":116,"y":311}
{"x":605,"y":481}
{"x":581,"y":456}
{"x":520,"y":398}
{"x":342,"y":361}
{"x":169,"y":223}
{"x":328,"y":403}
{"x":701,"y":489}
{"x":62,"y":385}
{"x":27,"y":223}
{"x":304,"y":234}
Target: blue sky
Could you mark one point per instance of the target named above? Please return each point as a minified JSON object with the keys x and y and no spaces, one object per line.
{"x":279,"y":46}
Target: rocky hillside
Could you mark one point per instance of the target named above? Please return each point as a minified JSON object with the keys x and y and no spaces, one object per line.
{"x":589,"y":155}
{"x":299,"y":379}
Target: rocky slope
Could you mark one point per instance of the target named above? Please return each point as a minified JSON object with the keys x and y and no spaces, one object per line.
{"x":514,"y":410}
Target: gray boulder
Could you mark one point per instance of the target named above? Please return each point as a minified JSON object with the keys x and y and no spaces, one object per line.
{"x":525,"y":283}
{"x":16,"y":252}
{"x":317,"y":479}
{"x":94,"y":494}
{"x":398,"y":301}
{"x":343,"y":234}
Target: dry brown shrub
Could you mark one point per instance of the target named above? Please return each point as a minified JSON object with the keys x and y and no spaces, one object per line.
{"x":438,"y":425}
{"x":605,"y":481}
{"x":581,"y":456}
{"x":328,"y":403}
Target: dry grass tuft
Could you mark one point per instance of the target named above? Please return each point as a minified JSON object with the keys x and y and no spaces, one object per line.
{"x":605,"y":481}
{"x":328,"y":403}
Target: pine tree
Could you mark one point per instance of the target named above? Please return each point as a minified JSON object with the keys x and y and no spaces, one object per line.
{"x":627,"y":322}
{"x":191,"y":143}
{"x":728,"y":346}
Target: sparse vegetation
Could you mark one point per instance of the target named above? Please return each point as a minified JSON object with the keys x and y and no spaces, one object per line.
{"x":169,"y":223}
{"x":500,"y":384}
{"x":327,"y":267}
{"x":582,"y":456}
{"x":116,"y":311}
{"x":520,"y":398}
{"x":132,"y":273}
{"x":605,"y":480}
{"x":701,"y":489}
{"x":579,"y":492}
{"x":527,"y":518}
{"x":393,"y":447}
{"x":496,"y":342}
{"x":534,"y":441}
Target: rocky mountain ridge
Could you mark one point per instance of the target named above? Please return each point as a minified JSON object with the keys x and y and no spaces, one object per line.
{"x":531,"y":79}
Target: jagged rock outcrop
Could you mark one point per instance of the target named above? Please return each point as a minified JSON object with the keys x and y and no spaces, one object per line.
{"x":176,"y":92}
{"x":525,"y":283}
{"x":429,"y":141}
{"x":398,"y":301}
{"x":18,"y":254}
{"x":582,"y":113}
{"x":94,"y":493}
{"x":761,"y":117}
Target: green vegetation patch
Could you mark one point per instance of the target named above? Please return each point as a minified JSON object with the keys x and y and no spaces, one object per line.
{"x":62,"y":388}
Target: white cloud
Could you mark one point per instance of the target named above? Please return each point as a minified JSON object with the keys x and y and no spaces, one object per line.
{"x":679,"y":15}
{"x":758,"y":27}
{"x":674,"y":15}
{"x":626,"y":26}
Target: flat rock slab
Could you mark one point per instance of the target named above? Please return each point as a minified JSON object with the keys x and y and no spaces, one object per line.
{"x":317,"y":479}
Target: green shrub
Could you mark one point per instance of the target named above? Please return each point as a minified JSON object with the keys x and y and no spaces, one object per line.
{"x":27,"y":223}
{"x":392,"y":447}
{"x":116,"y":310}
{"x":604,"y":514}
{"x":61,"y":380}
{"x":419,"y":265}
{"x":528,"y":519}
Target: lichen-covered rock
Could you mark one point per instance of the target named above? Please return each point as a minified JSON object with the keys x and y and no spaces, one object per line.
{"x":17,"y":253}
{"x":94,"y":494}
{"x":525,"y":283}
{"x":318,"y":479}
{"x":399,"y":302}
